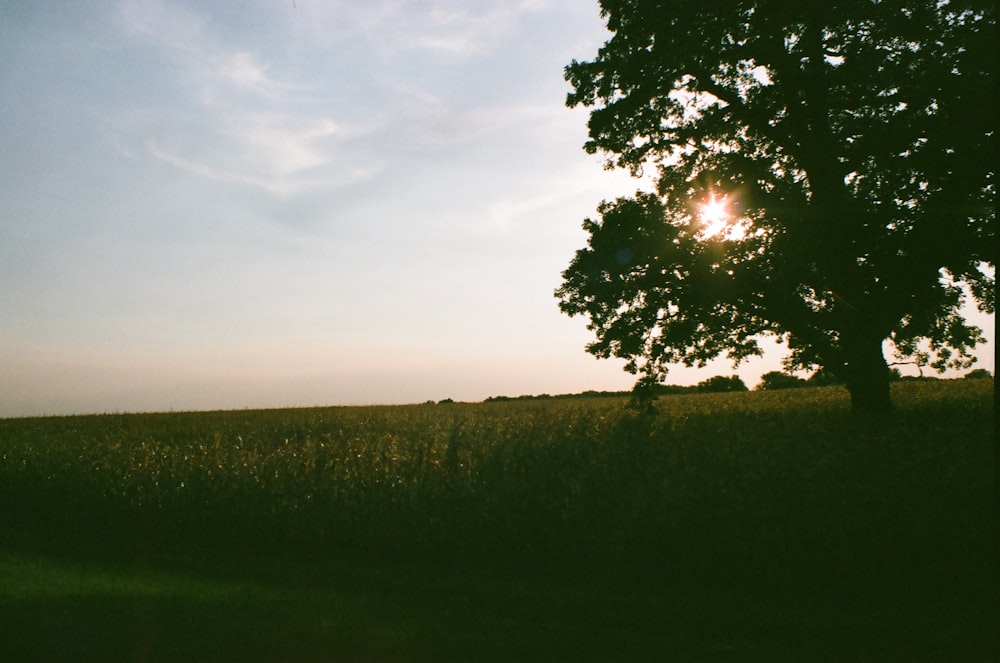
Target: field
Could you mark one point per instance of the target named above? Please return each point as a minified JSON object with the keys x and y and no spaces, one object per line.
{"x":765,"y":526}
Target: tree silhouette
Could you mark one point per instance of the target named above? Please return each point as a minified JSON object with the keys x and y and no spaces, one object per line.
{"x":776,"y":380}
{"x":722,"y":384}
{"x":824,"y":174}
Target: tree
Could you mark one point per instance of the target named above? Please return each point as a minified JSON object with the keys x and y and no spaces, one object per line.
{"x":824,"y":174}
{"x":775,"y":380}
{"x":721,"y":384}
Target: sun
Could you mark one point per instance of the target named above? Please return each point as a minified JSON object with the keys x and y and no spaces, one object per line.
{"x":714,"y":215}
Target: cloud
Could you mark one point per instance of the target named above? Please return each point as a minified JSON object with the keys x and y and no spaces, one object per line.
{"x":243,"y":119}
{"x":209,"y":172}
{"x":455,"y":28}
{"x":283,"y":145}
{"x":277,"y":163}
{"x":172,"y":27}
{"x":234,"y":122}
{"x":184,"y":36}
{"x":241,"y":70}
{"x":278,"y":153}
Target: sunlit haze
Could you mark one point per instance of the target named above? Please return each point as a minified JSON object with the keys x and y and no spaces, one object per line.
{"x":208,"y":205}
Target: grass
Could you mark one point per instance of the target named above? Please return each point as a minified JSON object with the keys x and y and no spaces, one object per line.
{"x":769,"y":526}
{"x":361,"y":613}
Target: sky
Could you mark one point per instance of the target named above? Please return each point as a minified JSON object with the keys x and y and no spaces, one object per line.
{"x":271,"y":203}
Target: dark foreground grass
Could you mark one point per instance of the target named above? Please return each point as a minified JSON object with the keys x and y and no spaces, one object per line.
{"x":767,"y":526}
{"x":356,"y":612}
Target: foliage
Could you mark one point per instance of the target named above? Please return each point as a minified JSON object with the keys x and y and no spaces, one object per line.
{"x":822,"y":378}
{"x":978,"y":374}
{"x":722,"y":384}
{"x":853,"y":144}
{"x":777,"y":380}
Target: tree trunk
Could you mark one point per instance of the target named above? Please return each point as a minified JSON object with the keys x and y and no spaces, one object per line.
{"x":867,"y":375}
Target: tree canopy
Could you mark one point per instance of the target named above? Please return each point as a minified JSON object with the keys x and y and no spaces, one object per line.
{"x":824,"y":173}
{"x":776,"y":380}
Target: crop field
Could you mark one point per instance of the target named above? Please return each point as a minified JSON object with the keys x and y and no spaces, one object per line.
{"x":763,"y":525}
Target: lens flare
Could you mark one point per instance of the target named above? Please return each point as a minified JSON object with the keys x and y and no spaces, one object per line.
{"x":714,"y":216}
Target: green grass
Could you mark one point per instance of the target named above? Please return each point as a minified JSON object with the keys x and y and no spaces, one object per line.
{"x":770,"y":526}
{"x":394,"y":613}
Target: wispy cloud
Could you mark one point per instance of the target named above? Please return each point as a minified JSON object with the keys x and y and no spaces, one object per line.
{"x":281,"y":162}
{"x":247,"y":115}
{"x":241,"y":69}
{"x":272,"y":185}
{"x":202,"y":57}
{"x":450,"y":27}
{"x":283,"y":145}
{"x":254,"y":130}
{"x":455,"y":28}
{"x":170,"y":26}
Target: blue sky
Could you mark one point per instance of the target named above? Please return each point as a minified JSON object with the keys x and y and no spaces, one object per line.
{"x":263,"y":203}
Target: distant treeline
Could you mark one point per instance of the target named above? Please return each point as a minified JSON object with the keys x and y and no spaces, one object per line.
{"x":772,"y":381}
{"x":717,"y":384}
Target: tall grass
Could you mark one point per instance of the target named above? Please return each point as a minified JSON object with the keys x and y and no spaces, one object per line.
{"x":775,"y":491}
